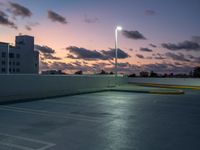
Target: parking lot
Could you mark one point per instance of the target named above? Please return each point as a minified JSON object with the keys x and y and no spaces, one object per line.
{"x":103,"y":121}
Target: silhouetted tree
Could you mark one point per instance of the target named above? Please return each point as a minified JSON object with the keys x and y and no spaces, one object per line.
{"x":196,"y":72}
{"x":111,"y":72}
{"x":190,"y":74}
{"x":153,"y":74}
{"x":165,"y":75}
{"x":171,"y":74}
{"x":103,"y":72}
{"x":144,"y":74}
{"x":132,"y":75}
{"x":80,"y":72}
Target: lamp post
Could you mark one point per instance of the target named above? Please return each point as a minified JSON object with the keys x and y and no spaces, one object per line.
{"x":118,"y":28}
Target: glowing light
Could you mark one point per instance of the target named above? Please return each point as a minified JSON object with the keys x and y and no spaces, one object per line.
{"x":119,"y":28}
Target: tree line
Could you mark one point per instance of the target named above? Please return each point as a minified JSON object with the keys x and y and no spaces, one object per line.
{"x":195,"y":73}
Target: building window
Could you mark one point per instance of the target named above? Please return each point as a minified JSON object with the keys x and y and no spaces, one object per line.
{"x":10,"y":70}
{"x":3,"y":62}
{"x":21,"y":42}
{"x":18,"y":70}
{"x":18,"y":55}
{"x":3,"y":54}
{"x":3,"y":69}
{"x":13,"y":70}
{"x":10,"y":63}
{"x":18,"y":63}
{"x":13,"y":63}
{"x":11,"y":55}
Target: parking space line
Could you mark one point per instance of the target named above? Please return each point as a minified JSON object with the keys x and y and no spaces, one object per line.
{"x":65,"y":103}
{"x":51,"y":114}
{"x":12,"y":137}
{"x":16,"y":146}
{"x":46,"y":147}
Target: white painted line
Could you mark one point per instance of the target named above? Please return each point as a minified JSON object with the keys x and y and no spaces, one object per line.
{"x":46,"y":147}
{"x":51,"y":114}
{"x":12,"y":137}
{"x":16,"y":146}
{"x":66,"y":103}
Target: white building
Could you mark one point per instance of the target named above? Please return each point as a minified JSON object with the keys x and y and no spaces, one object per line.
{"x":22,"y":57}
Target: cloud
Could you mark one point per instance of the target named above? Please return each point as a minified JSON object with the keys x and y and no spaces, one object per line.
{"x":178,"y":64}
{"x":139,"y":56}
{"x":186,"y":45}
{"x":77,"y":63}
{"x":191,"y":56}
{"x":30,"y":25}
{"x":2,"y":4}
{"x":46,"y":52}
{"x":197,"y":59}
{"x":61,"y":66}
{"x":150,"y":12}
{"x":167,"y":68}
{"x":90,"y":20}
{"x":71,"y":56}
{"x":43,"y":65}
{"x":159,"y":56}
{"x":19,"y":10}
{"x":123,"y":65}
{"x":100,"y":66}
{"x":130,"y":49}
{"x":68,"y":67}
{"x":111,"y":54}
{"x":177,"y":57}
{"x":196,"y":39}
{"x":158,"y":68}
{"x":5,"y":21}
{"x":44,"y":49}
{"x":194,"y":59}
{"x":133,"y":35}
{"x":152,"y":45}
{"x":55,"y":17}
{"x":149,"y":57}
{"x":146,"y":49}
{"x":83,"y":53}
{"x":50,"y":56}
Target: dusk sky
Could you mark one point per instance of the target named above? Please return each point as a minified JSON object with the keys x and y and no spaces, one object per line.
{"x":158,"y":35}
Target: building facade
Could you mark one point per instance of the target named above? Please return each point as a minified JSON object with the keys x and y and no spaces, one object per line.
{"x":21,"y":58}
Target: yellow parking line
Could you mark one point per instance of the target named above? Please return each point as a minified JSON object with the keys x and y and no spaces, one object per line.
{"x":166,"y":92}
{"x":170,"y":86}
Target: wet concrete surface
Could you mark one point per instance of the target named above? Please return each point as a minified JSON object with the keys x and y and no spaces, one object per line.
{"x":103,"y":121}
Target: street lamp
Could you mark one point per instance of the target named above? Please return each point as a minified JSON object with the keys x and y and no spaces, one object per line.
{"x":118,"y":28}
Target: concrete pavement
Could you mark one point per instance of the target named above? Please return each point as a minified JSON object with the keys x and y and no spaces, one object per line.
{"x":103,"y":121}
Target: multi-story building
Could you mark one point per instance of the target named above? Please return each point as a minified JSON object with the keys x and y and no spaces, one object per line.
{"x":22,"y":58}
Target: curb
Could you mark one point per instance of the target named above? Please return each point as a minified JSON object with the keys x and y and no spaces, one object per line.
{"x":177,"y":92}
{"x":18,"y":100}
{"x":168,"y":92}
{"x":167,"y":86}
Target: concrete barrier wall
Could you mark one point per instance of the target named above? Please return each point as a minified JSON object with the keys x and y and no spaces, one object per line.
{"x":18,"y":87}
{"x":167,"y":81}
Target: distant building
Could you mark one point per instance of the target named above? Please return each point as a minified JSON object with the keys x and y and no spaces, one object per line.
{"x":22,"y":57}
{"x":52,"y":72}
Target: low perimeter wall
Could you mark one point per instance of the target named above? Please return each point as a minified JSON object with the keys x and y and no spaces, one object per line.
{"x":167,"y":81}
{"x":21,"y":87}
